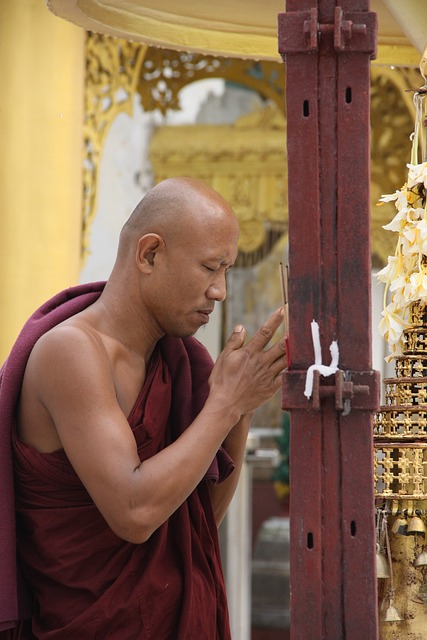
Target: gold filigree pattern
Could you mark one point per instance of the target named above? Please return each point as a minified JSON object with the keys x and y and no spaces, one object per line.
{"x":400,"y":425}
{"x":400,"y":476}
{"x":116,"y":69}
{"x":416,"y":341}
{"x":406,"y":391}
{"x":409,"y":579}
{"x":399,"y":471}
{"x":245,"y":162}
{"x":392,"y":118}
{"x":112,"y":71}
{"x":164,"y":73}
{"x":418,"y":314}
{"x":411,"y":367}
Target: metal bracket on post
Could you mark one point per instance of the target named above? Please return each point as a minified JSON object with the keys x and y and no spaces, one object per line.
{"x":357,"y":390}
{"x":353,"y":31}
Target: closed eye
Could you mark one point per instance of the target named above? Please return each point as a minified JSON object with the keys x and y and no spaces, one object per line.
{"x":214,"y":269}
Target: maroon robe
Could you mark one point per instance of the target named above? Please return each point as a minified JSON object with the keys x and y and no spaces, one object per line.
{"x":87,"y":582}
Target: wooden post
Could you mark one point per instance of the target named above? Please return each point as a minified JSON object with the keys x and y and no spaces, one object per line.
{"x":327,"y":50}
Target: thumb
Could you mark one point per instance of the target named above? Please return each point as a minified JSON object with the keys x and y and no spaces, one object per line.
{"x":237,"y":338}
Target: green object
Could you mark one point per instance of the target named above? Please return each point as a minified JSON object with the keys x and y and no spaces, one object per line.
{"x":281,"y":473}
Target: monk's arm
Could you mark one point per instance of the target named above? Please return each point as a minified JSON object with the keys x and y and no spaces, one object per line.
{"x":235,"y":445}
{"x":73,"y":381}
{"x":135,"y":498}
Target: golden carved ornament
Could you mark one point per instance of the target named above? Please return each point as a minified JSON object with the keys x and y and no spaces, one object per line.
{"x":245,"y":162}
{"x":400,"y":425}
{"x":116,"y":69}
{"x":392,"y":123}
{"x":410,"y":589}
{"x":164,"y":73}
{"x":399,"y":470}
{"x":112,"y":72}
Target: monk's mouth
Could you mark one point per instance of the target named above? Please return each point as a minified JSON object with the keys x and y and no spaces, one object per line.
{"x":204,"y":316}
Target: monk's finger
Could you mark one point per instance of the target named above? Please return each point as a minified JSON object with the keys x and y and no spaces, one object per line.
{"x":266,"y":331}
{"x":236,"y":339}
{"x":279,"y":357}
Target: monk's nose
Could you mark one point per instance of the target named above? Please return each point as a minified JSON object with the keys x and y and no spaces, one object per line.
{"x":217,"y":291}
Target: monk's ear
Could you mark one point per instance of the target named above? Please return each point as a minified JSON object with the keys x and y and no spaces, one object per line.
{"x":147,"y":249}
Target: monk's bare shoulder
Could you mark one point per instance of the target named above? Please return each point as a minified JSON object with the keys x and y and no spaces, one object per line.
{"x":72,"y":341}
{"x":67,"y":363}
{"x":71,"y":349}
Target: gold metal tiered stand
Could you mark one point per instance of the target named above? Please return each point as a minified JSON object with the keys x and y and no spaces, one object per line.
{"x":400,"y":426}
{"x":400,"y":475}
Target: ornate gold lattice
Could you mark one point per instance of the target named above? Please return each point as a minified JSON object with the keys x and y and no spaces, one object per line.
{"x":117,"y":69}
{"x":112,"y":72}
{"x":400,"y":426}
{"x":402,"y":423}
{"x":392,"y":123}
{"x":400,"y":471}
{"x":164,"y":73}
{"x":245,"y":162}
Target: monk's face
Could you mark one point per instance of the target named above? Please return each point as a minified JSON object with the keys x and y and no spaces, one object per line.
{"x":191,"y":273}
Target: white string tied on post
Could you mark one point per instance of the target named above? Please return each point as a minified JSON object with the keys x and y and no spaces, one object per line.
{"x":323,"y":369}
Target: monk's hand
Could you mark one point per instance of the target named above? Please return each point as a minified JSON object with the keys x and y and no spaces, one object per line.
{"x":246,"y":376}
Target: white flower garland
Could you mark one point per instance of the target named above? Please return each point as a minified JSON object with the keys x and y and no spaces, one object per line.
{"x":405,"y":274}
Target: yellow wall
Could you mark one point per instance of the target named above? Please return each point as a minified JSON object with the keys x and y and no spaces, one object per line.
{"x":41,"y":115}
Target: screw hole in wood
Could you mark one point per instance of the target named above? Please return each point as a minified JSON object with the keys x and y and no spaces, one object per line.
{"x":310,"y":540}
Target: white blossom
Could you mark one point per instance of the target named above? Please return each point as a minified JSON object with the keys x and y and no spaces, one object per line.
{"x":405,"y":274}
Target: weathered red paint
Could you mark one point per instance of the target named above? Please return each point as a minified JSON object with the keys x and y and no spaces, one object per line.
{"x":327,"y":46}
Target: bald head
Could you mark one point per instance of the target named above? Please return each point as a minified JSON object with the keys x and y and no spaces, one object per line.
{"x":174,"y":253}
{"x":173,"y":207}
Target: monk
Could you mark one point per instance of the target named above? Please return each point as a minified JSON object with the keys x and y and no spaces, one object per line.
{"x":128,"y":442}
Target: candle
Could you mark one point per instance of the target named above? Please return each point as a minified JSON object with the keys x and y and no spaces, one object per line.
{"x":324,"y":370}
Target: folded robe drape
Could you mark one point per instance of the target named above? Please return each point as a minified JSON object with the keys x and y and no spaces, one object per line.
{"x":176,"y":384}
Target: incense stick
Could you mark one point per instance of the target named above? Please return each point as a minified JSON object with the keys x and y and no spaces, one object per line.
{"x":283,"y":283}
{"x":284,"y":286}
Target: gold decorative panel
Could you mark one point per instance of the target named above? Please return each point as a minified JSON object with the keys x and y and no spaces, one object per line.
{"x":164,"y":73}
{"x":404,"y":422}
{"x":116,"y":69}
{"x":112,"y":73}
{"x":400,"y":425}
{"x":400,"y":471}
{"x":245,"y":162}
{"x":392,"y":123}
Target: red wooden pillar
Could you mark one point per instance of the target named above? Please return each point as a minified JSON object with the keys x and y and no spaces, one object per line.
{"x":327,"y":46}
